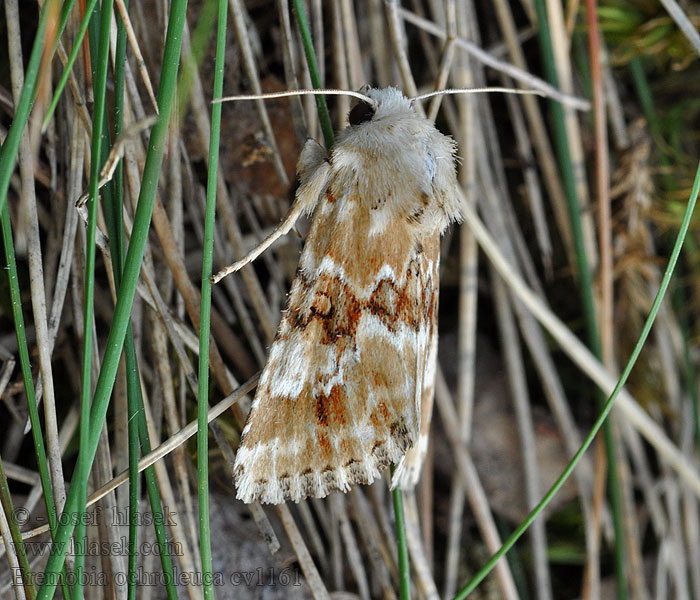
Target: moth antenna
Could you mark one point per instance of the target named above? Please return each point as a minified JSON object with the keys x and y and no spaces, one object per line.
{"x":288,"y":93}
{"x":503,"y":90}
{"x":314,"y":171}
{"x":283,"y":228}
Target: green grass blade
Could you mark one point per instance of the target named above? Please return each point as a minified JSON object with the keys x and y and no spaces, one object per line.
{"x":25,"y":365}
{"x":98,"y":118}
{"x":508,"y":544}
{"x":585,"y":283}
{"x":138,"y":435}
{"x":138,"y":428}
{"x":127,"y":289}
{"x":201,"y":34}
{"x":133,"y":443}
{"x":113,"y":210}
{"x":77,"y":45}
{"x":199,"y":42}
{"x":321,"y":106}
{"x":18,"y":544}
{"x":159,"y":519}
{"x":8,"y":153}
{"x":404,"y":567}
{"x":670,"y":184}
{"x":205,"y":312}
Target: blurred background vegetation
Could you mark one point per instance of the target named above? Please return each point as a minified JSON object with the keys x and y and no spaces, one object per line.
{"x":584,"y":206}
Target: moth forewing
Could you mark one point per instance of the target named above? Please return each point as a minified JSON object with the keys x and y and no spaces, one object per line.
{"x":353,"y":364}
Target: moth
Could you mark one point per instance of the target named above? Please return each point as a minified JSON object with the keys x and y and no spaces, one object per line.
{"x":348,"y":386}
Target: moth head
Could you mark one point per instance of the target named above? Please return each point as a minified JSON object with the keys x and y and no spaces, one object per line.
{"x":379,"y":104}
{"x":361,"y":113}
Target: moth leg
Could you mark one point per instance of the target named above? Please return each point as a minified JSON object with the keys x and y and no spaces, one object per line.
{"x":314,"y":171}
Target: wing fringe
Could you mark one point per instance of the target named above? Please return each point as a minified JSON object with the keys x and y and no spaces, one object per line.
{"x":317,"y":483}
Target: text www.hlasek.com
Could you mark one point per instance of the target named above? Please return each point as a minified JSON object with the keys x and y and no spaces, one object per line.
{"x":119,"y":547}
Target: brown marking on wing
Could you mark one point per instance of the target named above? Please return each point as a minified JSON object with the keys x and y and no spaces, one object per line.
{"x":322,"y":410}
{"x":314,"y":434}
{"x":324,"y":443}
{"x":337,"y":310}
